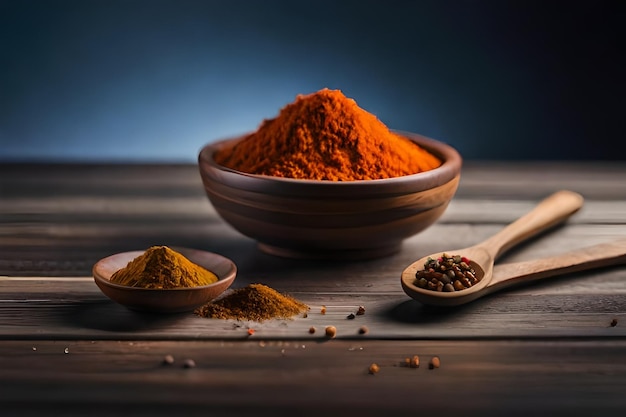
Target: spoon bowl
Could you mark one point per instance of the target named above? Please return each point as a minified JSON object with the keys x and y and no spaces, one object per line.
{"x":548,"y":213}
{"x":507,"y":275}
{"x":480,"y":260}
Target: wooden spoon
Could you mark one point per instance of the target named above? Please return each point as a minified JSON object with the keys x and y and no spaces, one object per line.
{"x":506,"y":275}
{"x":548,"y":213}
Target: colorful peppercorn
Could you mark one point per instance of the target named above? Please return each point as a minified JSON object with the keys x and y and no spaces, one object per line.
{"x":447,"y":273}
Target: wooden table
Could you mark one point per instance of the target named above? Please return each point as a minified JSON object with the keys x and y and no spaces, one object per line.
{"x":66,"y":349}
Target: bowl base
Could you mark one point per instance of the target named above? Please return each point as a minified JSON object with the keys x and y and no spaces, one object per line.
{"x":331,"y":254}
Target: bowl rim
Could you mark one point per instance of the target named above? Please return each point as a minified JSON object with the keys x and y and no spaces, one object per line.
{"x":447,"y":171}
{"x":229,"y":277}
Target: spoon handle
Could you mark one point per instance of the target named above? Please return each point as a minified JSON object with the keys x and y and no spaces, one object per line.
{"x":597,"y":256}
{"x":548,"y":213}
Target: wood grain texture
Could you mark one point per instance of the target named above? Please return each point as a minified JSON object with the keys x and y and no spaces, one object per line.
{"x":305,"y":378}
{"x":592,"y":257}
{"x":75,"y":309}
{"x":548,"y":348}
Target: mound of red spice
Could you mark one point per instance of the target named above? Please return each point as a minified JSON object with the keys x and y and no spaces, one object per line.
{"x":326,"y":136}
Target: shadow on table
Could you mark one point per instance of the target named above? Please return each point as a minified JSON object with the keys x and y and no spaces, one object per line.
{"x":108,"y":316}
{"x":412,"y":311}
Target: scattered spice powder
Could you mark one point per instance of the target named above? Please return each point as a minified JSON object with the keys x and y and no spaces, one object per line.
{"x":162,"y":268}
{"x":255,"y":302}
{"x":326,"y":136}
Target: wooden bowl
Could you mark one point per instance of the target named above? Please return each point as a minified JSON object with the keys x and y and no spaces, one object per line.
{"x":327,"y":219}
{"x":165,"y":300}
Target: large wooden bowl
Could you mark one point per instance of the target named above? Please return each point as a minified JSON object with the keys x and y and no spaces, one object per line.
{"x":328,"y":219}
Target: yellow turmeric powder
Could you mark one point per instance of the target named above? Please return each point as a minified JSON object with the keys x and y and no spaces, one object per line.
{"x":162,"y":268}
{"x":326,"y":136}
{"x":255,"y":302}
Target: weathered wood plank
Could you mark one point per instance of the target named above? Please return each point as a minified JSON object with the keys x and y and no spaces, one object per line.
{"x":63,"y":232}
{"x":99,"y":180}
{"x":37,"y":211}
{"x":486,"y":378}
{"x":594,"y":180}
{"x":598,"y":180}
{"x":75,"y":309}
{"x":542,"y":349}
{"x":73,"y":249}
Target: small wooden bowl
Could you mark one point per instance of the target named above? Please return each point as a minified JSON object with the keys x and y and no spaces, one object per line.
{"x":331,"y":219}
{"x":165,"y":300}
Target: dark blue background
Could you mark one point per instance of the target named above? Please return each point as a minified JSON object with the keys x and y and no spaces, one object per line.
{"x":154,"y":80}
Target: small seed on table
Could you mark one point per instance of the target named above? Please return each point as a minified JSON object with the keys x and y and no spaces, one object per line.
{"x":373,"y":369}
{"x":168,"y":360}
{"x":331,"y":331}
{"x":434,"y":362}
